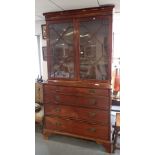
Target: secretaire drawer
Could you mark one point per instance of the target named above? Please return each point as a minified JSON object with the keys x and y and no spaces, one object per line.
{"x":75,"y":90}
{"x":84,"y":101}
{"x":84,"y":114}
{"x":76,"y":127}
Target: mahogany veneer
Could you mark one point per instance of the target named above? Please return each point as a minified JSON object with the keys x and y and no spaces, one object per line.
{"x":75,"y":127}
{"x":77,"y":95}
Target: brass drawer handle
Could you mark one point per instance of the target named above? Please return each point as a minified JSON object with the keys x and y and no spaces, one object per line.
{"x":92,"y":102}
{"x":58,"y":123}
{"x":56,"y":102}
{"x":92,"y":91}
{"x":92,"y":129}
{"x":57,"y":110}
{"x":57,"y":90}
{"x":57,"y":98}
{"x":92,"y":114}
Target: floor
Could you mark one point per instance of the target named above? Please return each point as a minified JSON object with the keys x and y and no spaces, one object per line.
{"x":64,"y":145}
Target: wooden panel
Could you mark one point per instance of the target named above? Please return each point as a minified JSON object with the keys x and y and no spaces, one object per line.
{"x":82,"y":101}
{"x":76,"y":91}
{"x":38,"y":92}
{"x":89,"y":115}
{"x":118,"y":119}
{"x":75,"y":127}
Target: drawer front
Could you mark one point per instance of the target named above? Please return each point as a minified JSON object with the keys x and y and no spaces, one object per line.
{"x":77,"y":91}
{"x":92,"y":102}
{"x":56,"y":98}
{"x":76,"y":127}
{"x":89,"y":115}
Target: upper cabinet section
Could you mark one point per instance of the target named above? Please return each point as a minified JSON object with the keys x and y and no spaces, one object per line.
{"x":79,"y":44}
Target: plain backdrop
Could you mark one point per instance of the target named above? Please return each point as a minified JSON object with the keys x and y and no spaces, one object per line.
{"x":17,"y":29}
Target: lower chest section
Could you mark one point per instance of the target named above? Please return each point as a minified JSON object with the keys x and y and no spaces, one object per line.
{"x":79,"y":111}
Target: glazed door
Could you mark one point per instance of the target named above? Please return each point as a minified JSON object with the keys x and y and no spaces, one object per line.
{"x":94,"y":48}
{"x":61,"y":50}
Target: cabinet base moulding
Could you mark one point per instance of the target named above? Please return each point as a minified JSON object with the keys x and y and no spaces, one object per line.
{"x":107,"y":145}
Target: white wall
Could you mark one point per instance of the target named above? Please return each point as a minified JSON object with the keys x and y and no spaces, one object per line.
{"x":116,"y":35}
{"x":42,"y":43}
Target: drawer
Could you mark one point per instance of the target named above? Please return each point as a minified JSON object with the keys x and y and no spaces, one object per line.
{"x":56,"y":98}
{"x":76,"y":127}
{"x":84,"y":114}
{"x":94,"y":102}
{"x":83,"y":101}
{"x":75,"y":90}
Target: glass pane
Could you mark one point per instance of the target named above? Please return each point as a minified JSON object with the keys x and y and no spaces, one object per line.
{"x":94,"y":49}
{"x":61,"y":46}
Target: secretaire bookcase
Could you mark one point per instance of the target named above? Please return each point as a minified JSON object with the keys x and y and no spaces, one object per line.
{"x":77,"y":95}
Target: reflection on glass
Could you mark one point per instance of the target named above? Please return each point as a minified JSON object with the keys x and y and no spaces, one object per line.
{"x":61,"y":42}
{"x":94,"y":49}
